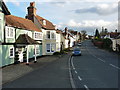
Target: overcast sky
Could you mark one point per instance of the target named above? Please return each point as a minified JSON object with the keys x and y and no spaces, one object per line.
{"x":74,"y":14}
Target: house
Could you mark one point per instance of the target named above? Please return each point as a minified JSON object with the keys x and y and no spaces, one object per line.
{"x":25,"y":37}
{"x":115,"y":37}
{"x":20,"y":39}
{"x":47,"y":27}
{"x":3,"y":11}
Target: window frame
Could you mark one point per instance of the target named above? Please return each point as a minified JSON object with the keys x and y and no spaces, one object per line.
{"x":8,"y":32}
{"x":12,"y":52}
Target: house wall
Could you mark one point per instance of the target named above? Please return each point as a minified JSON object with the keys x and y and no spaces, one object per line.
{"x":2,"y":22}
{"x":0,"y":55}
{"x":71,"y":41}
{"x":115,"y":41}
{"x":6,"y":60}
{"x":58,"y":42}
{"x":47,"y":41}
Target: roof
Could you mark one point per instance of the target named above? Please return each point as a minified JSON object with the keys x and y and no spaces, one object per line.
{"x":4,"y":8}
{"x":48,"y":25}
{"x":21,"y":23}
{"x":25,"y":39}
{"x":58,"y":31}
{"x":114,"y":34}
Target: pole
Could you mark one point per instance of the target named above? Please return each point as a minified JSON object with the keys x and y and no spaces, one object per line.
{"x":27,"y":56}
{"x":35,"y":54}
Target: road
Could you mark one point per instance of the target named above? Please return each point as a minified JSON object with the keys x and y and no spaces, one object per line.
{"x":53,"y":75}
{"x":96,"y":68}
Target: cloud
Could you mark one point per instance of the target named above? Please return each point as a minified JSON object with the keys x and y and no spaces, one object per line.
{"x":100,"y":9}
{"x":89,"y":25}
{"x":15,"y":2}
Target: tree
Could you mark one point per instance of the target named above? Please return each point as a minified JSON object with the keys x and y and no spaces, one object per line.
{"x":97,"y":35}
{"x":83,"y":32}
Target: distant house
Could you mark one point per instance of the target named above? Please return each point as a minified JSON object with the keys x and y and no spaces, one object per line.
{"x":115,"y":37}
{"x":48,"y":29}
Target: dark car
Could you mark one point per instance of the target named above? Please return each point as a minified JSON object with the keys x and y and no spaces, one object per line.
{"x":76,"y":52}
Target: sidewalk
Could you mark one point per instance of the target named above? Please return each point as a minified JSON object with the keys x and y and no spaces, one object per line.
{"x":12,"y":72}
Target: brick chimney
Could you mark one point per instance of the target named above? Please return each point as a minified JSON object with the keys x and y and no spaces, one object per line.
{"x":31,"y":11}
{"x":66,"y":32}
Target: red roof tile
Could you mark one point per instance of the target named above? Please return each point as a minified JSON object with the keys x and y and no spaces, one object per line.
{"x":21,"y":23}
{"x":48,"y":25}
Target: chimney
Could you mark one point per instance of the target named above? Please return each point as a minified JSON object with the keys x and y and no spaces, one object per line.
{"x":31,"y":11}
{"x":66,"y":31}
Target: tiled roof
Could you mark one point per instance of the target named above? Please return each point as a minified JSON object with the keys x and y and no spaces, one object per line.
{"x":114,"y":34}
{"x":48,"y":25}
{"x":25,"y":39}
{"x":58,"y":31}
{"x":21,"y":23}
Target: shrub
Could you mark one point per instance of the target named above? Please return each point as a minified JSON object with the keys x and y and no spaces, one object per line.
{"x":57,"y":53}
{"x":107,"y":43}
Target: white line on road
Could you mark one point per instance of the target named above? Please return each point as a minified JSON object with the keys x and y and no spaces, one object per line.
{"x":79,"y":78}
{"x":114,"y":66}
{"x":101,"y":60}
{"x":71,"y":78}
{"x":86,"y":87}
{"x":72,"y":63}
{"x":76,"y":72}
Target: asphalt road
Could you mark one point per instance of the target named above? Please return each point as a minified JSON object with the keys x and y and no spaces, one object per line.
{"x":96,"y":68}
{"x":53,"y":75}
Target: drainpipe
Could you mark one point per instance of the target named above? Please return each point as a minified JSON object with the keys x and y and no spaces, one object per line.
{"x":35,"y":54}
{"x":27,"y":56}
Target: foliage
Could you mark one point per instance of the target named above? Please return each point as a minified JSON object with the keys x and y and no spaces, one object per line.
{"x":107,"y":43}
{"x":97,"y":35}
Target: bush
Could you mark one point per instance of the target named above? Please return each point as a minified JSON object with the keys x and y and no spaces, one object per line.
{"x":107,"y":43}
{"x":57,"y":53}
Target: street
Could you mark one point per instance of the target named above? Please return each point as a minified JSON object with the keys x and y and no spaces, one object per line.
{"x":96,"y":68}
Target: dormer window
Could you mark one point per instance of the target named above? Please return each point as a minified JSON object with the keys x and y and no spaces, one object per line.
{"x":44,"y":22}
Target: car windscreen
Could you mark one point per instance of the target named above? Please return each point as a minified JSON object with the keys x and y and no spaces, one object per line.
{"x":76,"y":49}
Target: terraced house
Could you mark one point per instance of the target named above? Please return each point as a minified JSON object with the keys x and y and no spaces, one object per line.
{"x":21,"y":39}
{"x":48,"y":29}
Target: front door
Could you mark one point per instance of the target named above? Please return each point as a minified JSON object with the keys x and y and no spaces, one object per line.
{"x":20,"y":51}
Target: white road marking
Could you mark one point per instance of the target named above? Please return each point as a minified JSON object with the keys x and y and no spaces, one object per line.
{"x":71,"y":78}
{"x":101,"y":60}
{"x":76,"y":72}
{"x":72,"y":63}
{"x":86,"y":87}
{"x":79,"y":78}
{"x":114,"y":66}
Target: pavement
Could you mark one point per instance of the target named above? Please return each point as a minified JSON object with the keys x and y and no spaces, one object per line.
{"x":15,"y":71}
{"x":49,"y":72}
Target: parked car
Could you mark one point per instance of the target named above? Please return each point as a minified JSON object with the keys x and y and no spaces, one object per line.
{"x":76,"y":52}
{"x":79,"y":44}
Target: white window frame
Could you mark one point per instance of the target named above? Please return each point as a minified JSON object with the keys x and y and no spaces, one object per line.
{"x":49,"y":48}
{"x":8,"y":32}
{"x":47,"y":34}
{"x":44,"y":22}
{"x":38,"y":36}
{"x":12,"y":52}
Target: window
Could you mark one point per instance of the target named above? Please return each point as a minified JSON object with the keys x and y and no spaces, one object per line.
{"x":38,"y":36}
{"x":37,"y":50}
{"x":48,"y":47}
{"x":48,"y":34}
{"x":11,"y":52}
{"x":44,"y":22}
{"x":52,"y":47}
{"x":52,"y":35}
{"x":9,"y":32}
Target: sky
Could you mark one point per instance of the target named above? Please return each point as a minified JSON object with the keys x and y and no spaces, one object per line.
{"x":74,"y":14}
